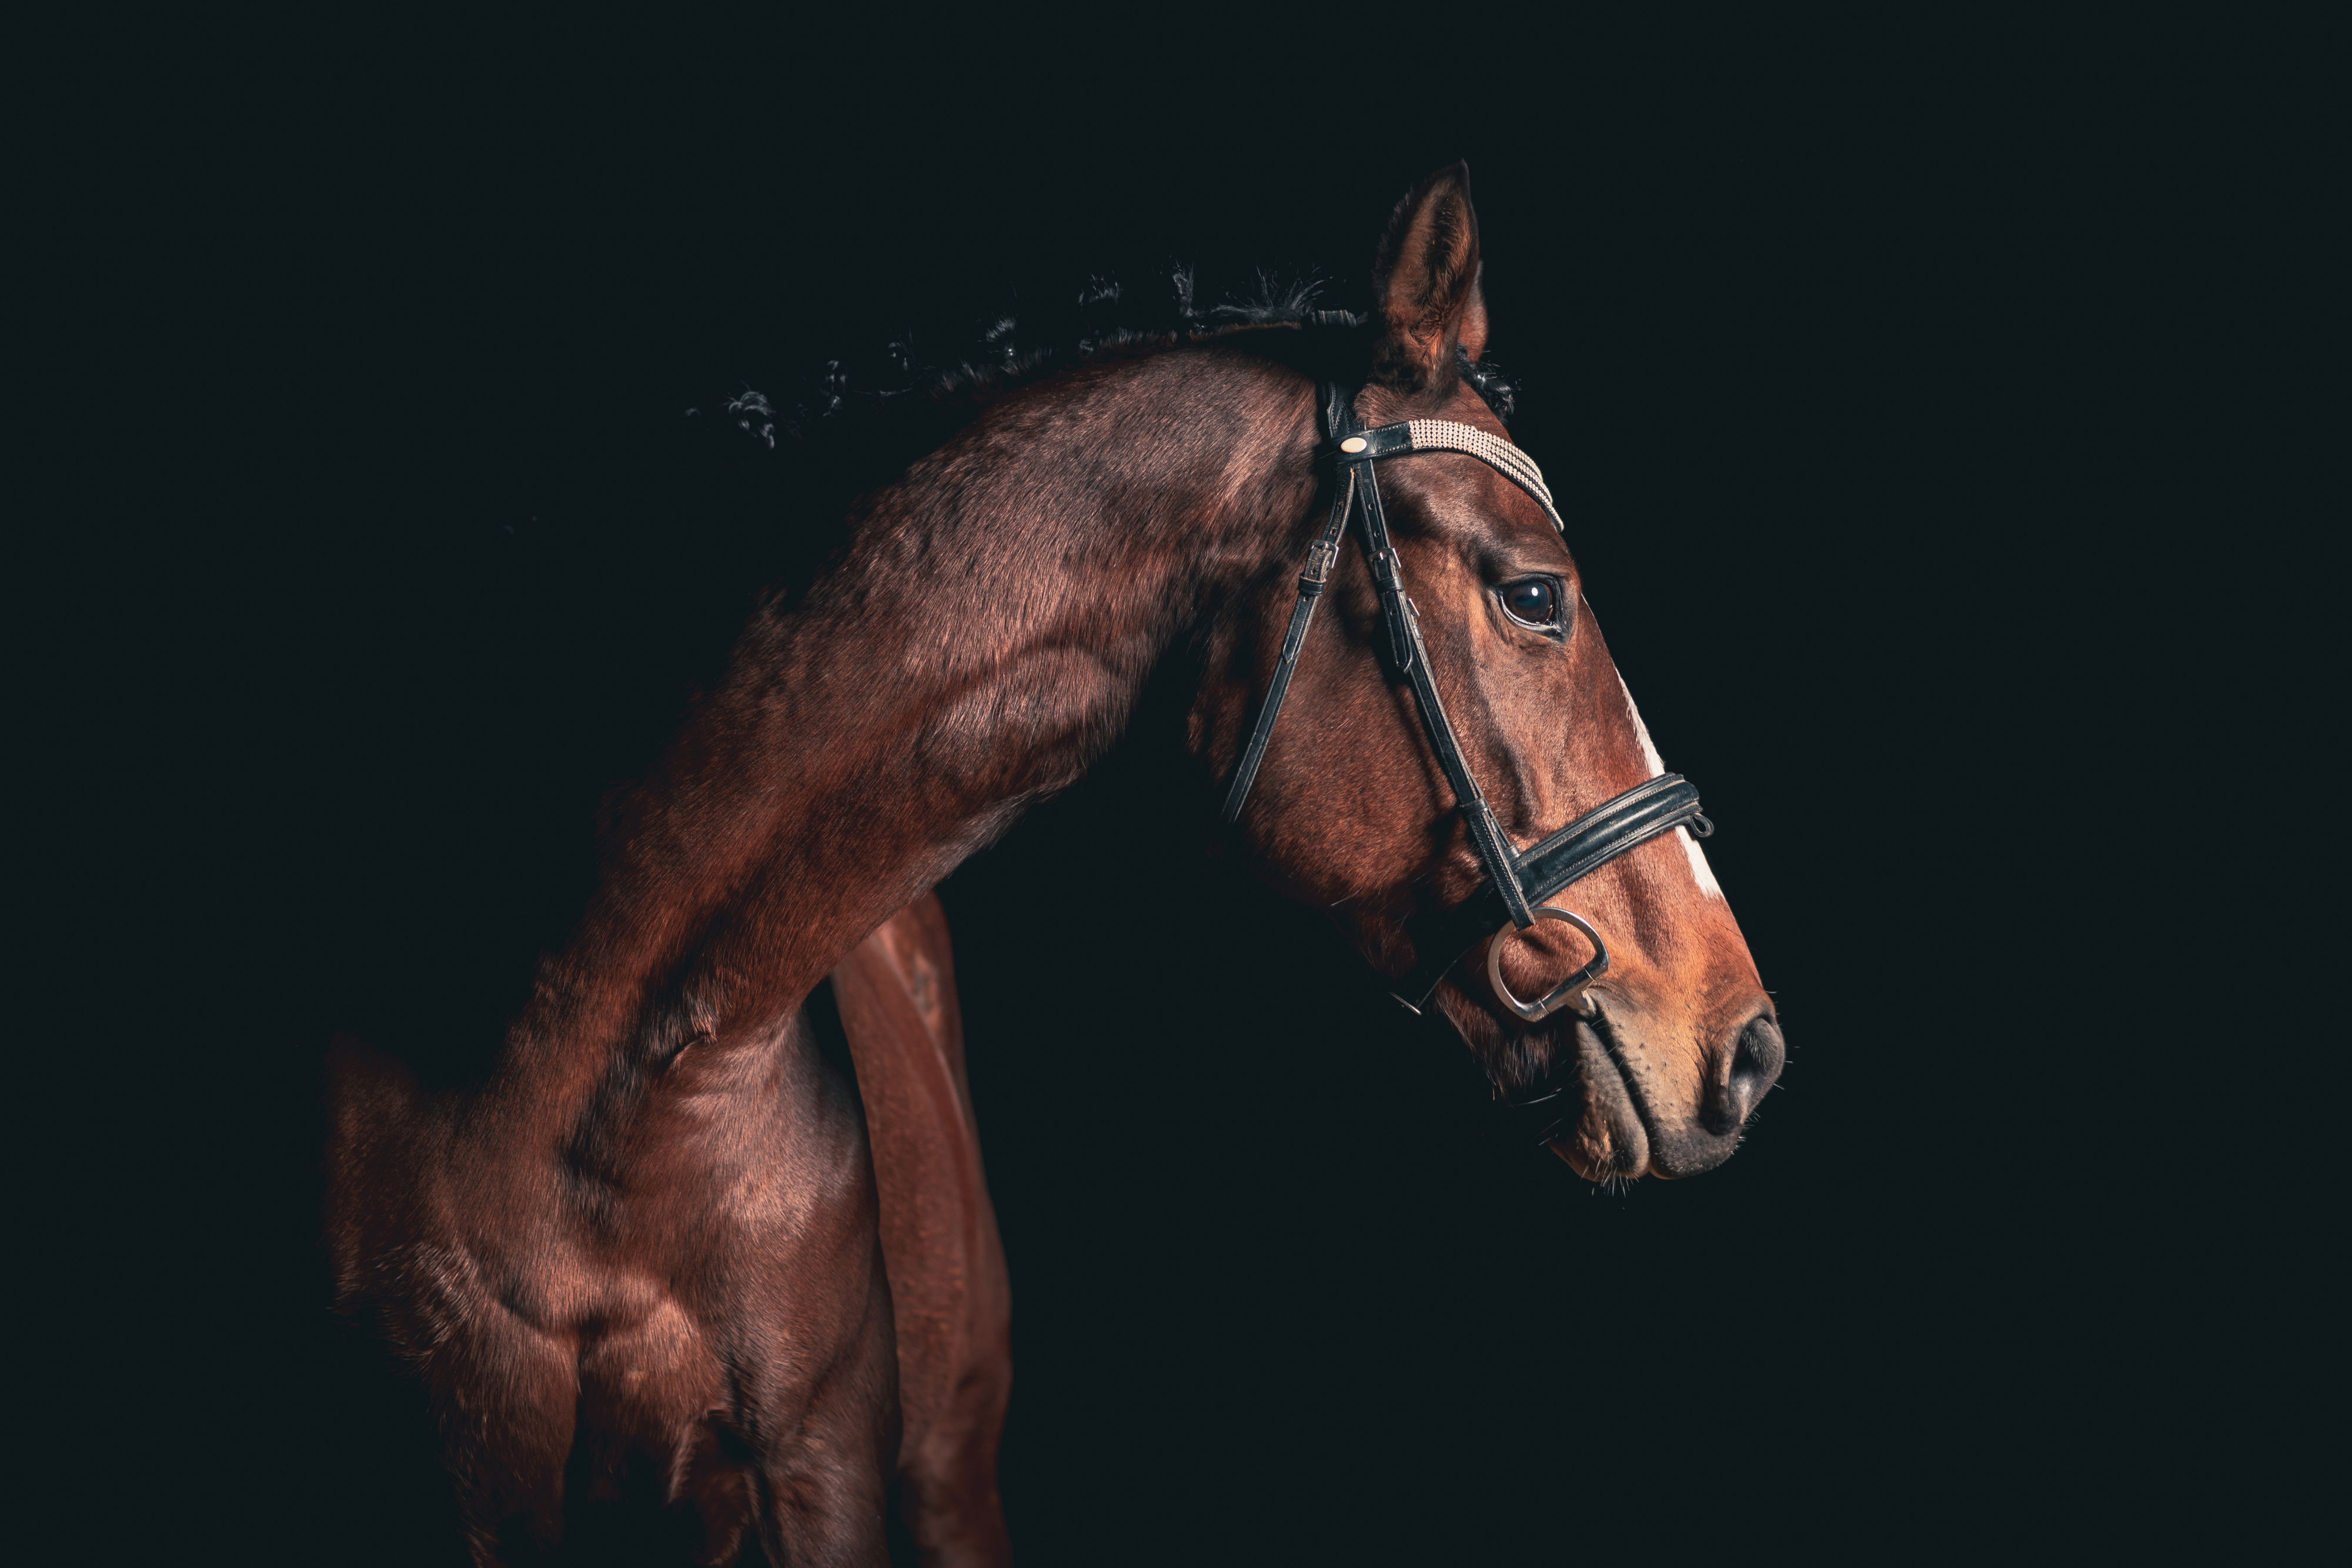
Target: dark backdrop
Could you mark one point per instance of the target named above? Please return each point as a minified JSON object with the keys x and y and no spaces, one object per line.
{"x":1839,"y":350}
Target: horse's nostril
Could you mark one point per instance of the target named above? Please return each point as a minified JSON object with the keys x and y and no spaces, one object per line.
{"x":1761,"y":1051}
{"x":1756,"y":1060}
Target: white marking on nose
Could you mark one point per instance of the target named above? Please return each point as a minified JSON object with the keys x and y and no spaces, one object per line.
{"x":1701,"y":872}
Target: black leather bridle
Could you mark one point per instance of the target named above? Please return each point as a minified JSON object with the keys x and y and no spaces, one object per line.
{"x":1518,"y":882}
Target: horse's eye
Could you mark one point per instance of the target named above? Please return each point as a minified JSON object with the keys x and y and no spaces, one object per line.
{"x":1535,"y":602}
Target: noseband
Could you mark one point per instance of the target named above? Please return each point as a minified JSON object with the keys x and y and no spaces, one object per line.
{"x":1518,"y":882}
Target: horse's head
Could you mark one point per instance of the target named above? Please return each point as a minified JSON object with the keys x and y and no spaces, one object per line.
{"x":1671,"y":1047}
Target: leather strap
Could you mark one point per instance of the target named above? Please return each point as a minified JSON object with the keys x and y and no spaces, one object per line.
{"x":1609,"y":830}
{"x":1311,"y":582}
{"x":1412,"y":657}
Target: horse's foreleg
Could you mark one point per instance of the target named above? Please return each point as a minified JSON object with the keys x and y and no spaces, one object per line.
{"x":826,"y":1458}
{"x":948,"y":1280}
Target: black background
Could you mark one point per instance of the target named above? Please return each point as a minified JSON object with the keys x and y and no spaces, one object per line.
{"x":1886,"y":379}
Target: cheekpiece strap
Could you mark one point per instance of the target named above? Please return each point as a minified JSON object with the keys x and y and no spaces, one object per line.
{"x":1412,"y":658}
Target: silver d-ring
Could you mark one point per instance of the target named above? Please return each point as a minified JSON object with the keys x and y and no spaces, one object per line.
{"x":1567,"y":990}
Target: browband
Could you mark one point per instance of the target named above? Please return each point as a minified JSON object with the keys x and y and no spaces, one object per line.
{"x":1517,"y":883}
{"x":1444,"y":435}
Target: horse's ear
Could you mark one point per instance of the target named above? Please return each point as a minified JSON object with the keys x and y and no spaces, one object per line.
{"x":1473,"y":334}
{"x":1426,"y":284}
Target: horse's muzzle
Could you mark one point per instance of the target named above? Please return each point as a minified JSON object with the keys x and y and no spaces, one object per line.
{"x":1620,"y":1110}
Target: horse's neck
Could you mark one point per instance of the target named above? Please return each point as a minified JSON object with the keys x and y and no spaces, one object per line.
{"x":982,"y":641}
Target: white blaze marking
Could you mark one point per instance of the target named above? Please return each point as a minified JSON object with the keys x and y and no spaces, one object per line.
{"x":1701,"y":872}
{"x":1641,"y":731}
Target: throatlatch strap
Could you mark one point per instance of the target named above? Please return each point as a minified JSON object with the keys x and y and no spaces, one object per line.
{"x":1311,"y":582}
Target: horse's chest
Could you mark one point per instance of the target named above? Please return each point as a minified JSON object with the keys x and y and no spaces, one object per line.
{"x":638,"y":1382}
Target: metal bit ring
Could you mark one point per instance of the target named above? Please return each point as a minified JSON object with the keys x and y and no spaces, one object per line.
{"x":1568,"y":991}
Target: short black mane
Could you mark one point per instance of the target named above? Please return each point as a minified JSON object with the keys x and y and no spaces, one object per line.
{"x":1103,"y":320}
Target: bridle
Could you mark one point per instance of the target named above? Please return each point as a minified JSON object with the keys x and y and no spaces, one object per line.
{"x":1518,"y":882}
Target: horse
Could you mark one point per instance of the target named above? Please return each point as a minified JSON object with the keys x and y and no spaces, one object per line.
{"x":641,"y":1269}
